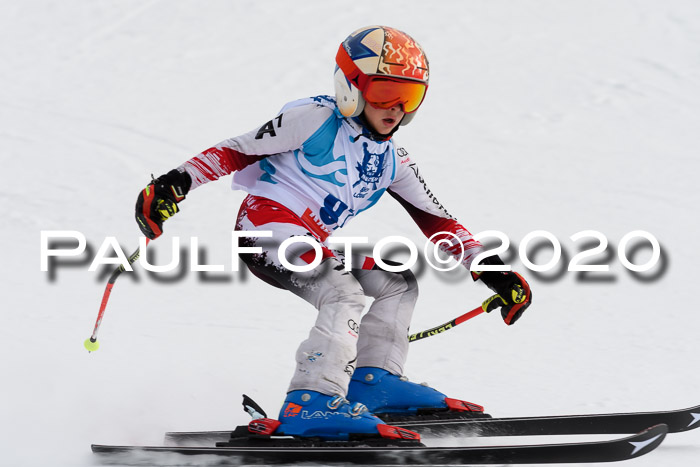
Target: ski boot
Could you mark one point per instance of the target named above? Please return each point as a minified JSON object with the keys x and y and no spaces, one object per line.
{"x":309,"y":414}
{"x":394,"y":398}
{"x":312,"y":419}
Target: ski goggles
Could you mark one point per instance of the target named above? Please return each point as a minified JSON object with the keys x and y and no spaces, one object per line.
{"x":383,"y":91}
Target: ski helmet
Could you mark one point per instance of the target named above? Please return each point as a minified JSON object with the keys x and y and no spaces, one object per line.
{"x":381,"y":65}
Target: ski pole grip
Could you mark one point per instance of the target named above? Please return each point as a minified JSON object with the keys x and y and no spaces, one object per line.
{"x":493,"y":302}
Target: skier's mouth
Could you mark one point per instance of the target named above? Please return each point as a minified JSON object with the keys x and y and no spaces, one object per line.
{"x":389,"y":121}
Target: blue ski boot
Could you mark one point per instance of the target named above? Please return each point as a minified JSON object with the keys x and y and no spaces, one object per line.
{"x":395,"y":398}
{"x":312,"y":414}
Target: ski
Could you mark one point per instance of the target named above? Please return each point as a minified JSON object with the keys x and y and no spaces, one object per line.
{"x":583,"y":452}
{"x":613,"y":423}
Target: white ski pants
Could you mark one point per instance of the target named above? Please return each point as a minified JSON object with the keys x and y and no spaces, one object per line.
{"x":341,"y":338}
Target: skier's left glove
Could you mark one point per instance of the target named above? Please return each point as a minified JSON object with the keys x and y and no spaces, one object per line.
{"x":513,"y":292}
{"x":158,"y":201}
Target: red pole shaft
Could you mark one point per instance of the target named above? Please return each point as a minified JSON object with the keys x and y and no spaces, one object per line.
{"x":469,"y":315}
{"x":108,"y":291}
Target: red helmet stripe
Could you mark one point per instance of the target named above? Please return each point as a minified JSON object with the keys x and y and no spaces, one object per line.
{"x":351,"y":71}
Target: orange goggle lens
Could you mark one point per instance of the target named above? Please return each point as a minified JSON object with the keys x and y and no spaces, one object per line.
{"x":385,"y":93}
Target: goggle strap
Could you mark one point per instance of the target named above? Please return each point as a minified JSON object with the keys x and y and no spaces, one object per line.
{"x":351,"y":71}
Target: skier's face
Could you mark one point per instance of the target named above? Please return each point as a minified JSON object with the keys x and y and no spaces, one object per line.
{"x":383,"y":121}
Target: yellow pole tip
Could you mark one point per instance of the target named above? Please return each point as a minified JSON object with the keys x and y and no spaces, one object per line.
{"x":90,"y":345}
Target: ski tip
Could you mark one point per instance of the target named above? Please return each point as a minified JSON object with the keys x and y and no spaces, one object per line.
{"x":647,"y":440}
{"x":691,"y":421}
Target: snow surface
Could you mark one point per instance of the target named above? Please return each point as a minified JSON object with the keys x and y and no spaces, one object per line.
{"x":541,"y":115}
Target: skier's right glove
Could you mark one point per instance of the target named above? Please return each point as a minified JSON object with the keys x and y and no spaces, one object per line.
{"x":513,"y":292}
{"x":158,"y":201}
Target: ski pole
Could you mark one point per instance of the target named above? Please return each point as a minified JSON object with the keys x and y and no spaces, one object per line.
{"x":91,"y":343}
{"x":450,"y":324}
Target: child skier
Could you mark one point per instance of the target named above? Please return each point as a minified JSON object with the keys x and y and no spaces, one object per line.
{"x":309,"y":171}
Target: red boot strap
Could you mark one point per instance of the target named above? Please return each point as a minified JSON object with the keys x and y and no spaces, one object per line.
{"x":263,"y":426}
{"x":462,"y":406}
{"x":394,"y":432}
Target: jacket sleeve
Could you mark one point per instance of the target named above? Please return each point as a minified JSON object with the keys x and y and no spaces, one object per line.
{"x":411,"y":191}
{"x":286,"y":132}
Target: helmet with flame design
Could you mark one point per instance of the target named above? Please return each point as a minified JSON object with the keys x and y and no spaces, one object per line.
{"x":381,"y":66}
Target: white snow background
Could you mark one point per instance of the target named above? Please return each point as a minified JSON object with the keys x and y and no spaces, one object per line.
{"x":541,"y":115}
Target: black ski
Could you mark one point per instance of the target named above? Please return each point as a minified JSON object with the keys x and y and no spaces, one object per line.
{"x":616,"y":423}
{"x":596,"y":451}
